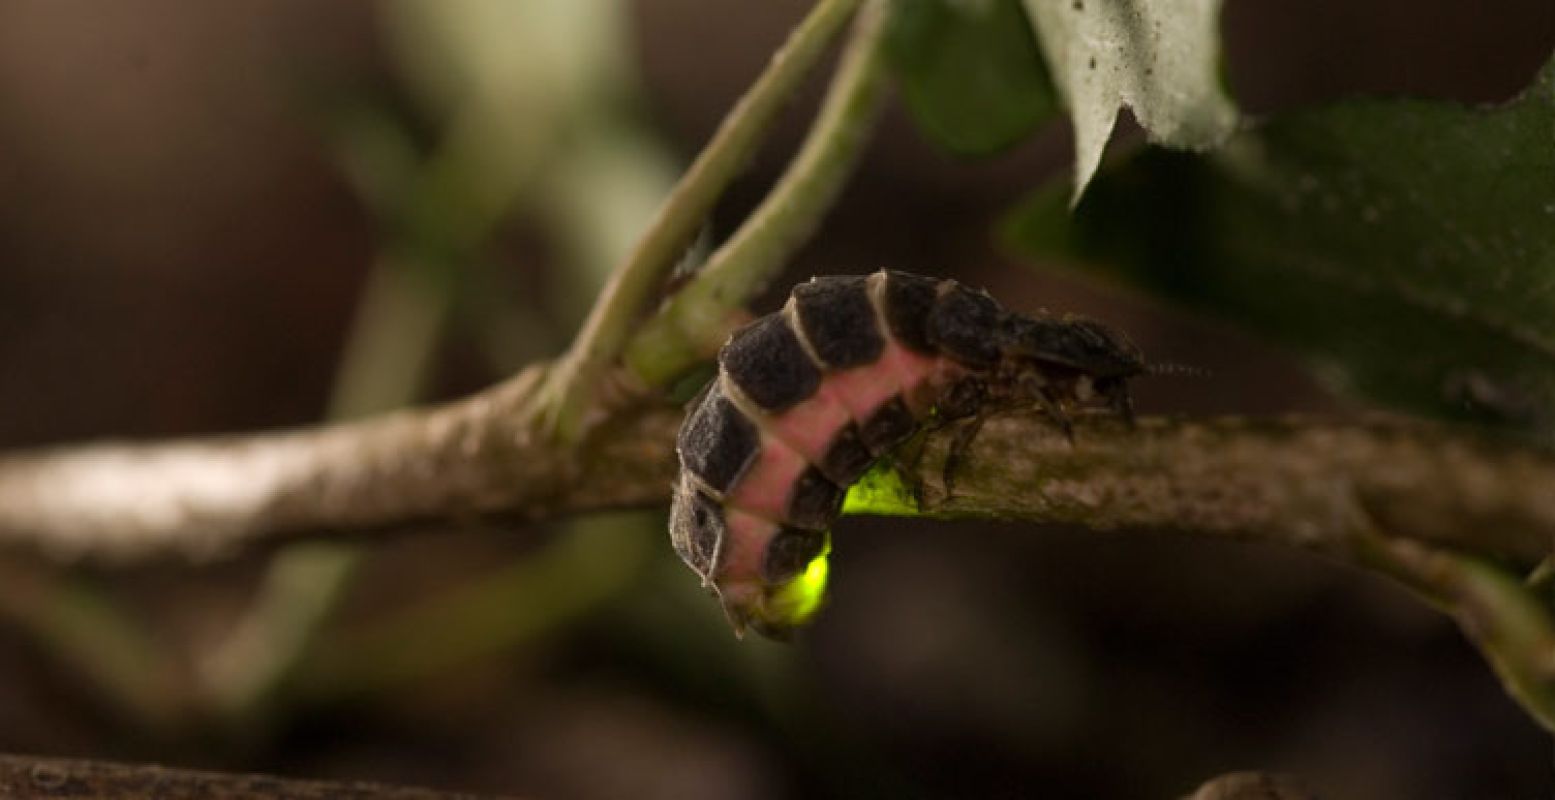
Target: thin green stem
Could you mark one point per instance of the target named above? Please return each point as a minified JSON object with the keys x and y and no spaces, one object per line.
{"x":1502,"y":617}
{"x":568,"y":397}
{"x":76,"y":622}
{"x":697,"y":319}
{"x":301,"y":588}
{"x":516,"y":602}
{"x":403,"y":310}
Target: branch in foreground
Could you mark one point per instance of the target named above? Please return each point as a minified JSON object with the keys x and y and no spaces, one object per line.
{"x":1318,"y":484}
{"x":1254,"y":786}
{"x":1410,"y":499}
{"x":22,"y":776}
{"x":206,"y":497}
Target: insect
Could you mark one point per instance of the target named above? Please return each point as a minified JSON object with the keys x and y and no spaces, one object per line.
{"x":809,"y":397}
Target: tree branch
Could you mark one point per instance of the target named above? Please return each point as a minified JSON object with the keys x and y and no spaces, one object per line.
{"x":1312,"y":483}
{"x":1423,"y":503}
{"x":24,"y":776}
{"x":1254,"y":786}
{"x":204,"y":497}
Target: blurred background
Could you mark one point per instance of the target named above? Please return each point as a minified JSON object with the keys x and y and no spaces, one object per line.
{"x":246,"y":215}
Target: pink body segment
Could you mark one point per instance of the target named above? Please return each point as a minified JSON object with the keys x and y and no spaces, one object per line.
{"x":898,"y":372}
{"x":747,"y":543}
{"x":801,"y":436}
{"x":853,"y":395}
{"x":861,"y":389}
{"x":764,"y":489}
{"x":920,"y":376}
{"x":739,"y":572}
{"x":811,"y":426}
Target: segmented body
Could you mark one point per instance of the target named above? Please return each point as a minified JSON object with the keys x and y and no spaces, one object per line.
{"x":806,"y":400}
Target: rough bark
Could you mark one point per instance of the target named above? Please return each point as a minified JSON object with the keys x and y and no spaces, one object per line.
{"x":478,"y":457}
{"x":24,"y":777}
{"x":1311,"y":483}
{"x":1308,"y":482}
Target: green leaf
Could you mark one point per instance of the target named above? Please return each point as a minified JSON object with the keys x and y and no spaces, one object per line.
{"x":1407,"y":246}
{"x":970,"y":72}
{"x":1158,"y":57}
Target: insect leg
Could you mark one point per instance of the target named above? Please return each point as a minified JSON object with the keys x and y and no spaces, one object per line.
{"x":965,"y":399}
{"x":1118,"y":399}
{"x":1034,"y":386}
{"x":905,"y":460}
{"x":960,"y":400}
{"x":959,"y":446}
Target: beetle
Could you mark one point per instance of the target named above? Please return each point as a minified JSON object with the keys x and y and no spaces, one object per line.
{"x":808,"y":398}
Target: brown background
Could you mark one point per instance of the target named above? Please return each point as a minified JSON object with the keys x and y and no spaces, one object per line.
{"x":179,"y":255}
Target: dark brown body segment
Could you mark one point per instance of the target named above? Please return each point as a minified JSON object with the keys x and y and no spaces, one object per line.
{"x":838,"y":320}
{"x":696,"y":527}
{"x":963,"y":324}
{"x":789,"y":552}
{"x":815,"y":503}
{"x":767,"y":362}
{"x":717,"y":442}
{"x":807,"y":399}
{"x":888,"y":427}
{"x":907,"y":301}
{"x":848,"y":458}
{"x":1081,"y":344}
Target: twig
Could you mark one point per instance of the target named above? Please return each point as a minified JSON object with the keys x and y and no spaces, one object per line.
{"x":1296,"y":481}
{"x":696,"y":320}
{"x":1393,"y":496}
{"x":1321,"y":485}
{"x":398,"y":325}
{"x":76,"y":623}
{"x":567,"y":401}
{"x":1494,"y":609}
{"x":205,"y":497}
{"x":1254,"y":786}
{"x":524,"y":599}
{"x":24,"y":777}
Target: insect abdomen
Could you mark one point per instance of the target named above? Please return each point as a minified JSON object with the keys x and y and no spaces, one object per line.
{"x":807,"y":398}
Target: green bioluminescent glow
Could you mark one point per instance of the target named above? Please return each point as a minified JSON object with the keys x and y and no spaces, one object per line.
{"x":797,"y":601}
{"x":881,"y":492}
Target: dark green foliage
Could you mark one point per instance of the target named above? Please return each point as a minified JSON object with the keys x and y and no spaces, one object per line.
{"x":1408,"y":247}
{"x":971,"y":73}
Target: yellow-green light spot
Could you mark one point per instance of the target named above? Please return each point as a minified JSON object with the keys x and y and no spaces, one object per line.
{"x":881,"y":492}
{"x":796,"y":602}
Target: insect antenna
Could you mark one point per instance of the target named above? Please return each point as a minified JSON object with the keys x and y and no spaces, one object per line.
{"x":1172,"y":369}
